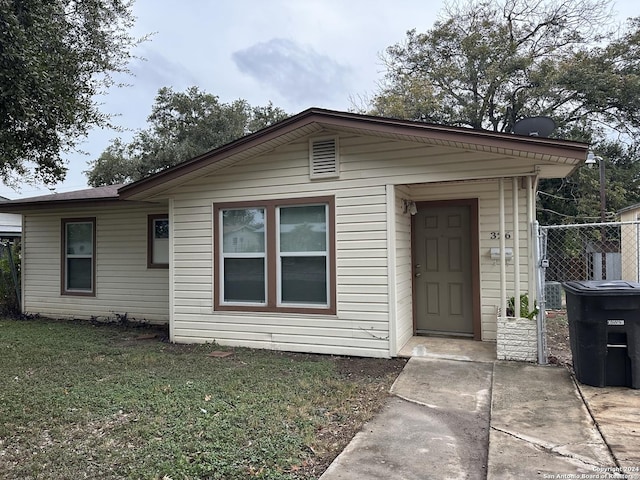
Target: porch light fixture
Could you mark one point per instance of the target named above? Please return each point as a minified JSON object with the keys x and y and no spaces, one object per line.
{"x":409,"y":206}
{"x":592,"y":159}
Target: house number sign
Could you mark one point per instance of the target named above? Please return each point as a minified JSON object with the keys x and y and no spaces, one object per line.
{"x":496,"y":235}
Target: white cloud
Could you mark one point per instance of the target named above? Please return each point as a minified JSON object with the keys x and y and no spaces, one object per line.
{"x":295,"y":53}
{"x":298,"y":73}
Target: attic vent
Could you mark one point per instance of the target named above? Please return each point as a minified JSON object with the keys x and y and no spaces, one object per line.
{"x":323,"y":158}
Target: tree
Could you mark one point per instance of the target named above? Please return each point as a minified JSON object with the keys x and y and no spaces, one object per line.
{"x":113,"y":166}
{"x":576,"y":200}
{"x":55,"y":57}
{"x":489,"y":63}
{"x":182,"y":125}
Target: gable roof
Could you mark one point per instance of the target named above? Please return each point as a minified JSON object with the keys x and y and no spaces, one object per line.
{"x":551,"y":155}
{"x":316,"y":121}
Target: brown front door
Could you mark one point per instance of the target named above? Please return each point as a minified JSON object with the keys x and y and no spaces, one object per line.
{"x":442,"y":243}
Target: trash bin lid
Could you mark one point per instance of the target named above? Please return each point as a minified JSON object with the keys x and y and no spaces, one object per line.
{"x":602,"y":287}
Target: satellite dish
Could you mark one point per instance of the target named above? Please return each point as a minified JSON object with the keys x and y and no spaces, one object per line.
{"x":534,"y":126}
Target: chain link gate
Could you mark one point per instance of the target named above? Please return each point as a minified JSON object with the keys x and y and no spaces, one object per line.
{"x":592,"y":251}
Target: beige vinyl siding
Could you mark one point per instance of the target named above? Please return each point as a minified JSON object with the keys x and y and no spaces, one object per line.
{"x":361,"y":327}
{"x":404,"y":270}
{"x":487,"y":194}
{"x":124,"y":284}
{"x":630,"y":252}
{"x":367,"y":165}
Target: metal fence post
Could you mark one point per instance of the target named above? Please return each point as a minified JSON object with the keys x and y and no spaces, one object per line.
{"x":539,"y":242}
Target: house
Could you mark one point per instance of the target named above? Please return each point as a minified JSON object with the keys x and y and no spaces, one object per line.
{"x":328,"y":232}
{"x":10,"y":225}
{"x":630,"y":243}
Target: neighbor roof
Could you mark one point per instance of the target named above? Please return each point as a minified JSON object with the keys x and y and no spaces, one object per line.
{"x":77,"y":197}
{"x":635,"y":206}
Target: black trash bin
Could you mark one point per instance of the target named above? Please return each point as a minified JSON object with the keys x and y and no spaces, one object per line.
{"x":604,"y":332}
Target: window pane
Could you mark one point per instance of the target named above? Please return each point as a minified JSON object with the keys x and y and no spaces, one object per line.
{"x":303,"y":229}
{"x":304,"y":280}
{"x":243,"y":230}
{"x":160,"y":252}
{"x":79,"y":239}
{"x":79,"y":275}
{"x":161,"y":228}
{"x":244,"y":280}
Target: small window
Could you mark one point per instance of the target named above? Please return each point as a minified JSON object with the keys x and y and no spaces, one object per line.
{"x":78,"y":256}
{"x":158,"y":242}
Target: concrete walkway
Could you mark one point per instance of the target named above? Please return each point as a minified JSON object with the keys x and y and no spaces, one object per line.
{"x":461,"y":419}
{"x":540,"y":425}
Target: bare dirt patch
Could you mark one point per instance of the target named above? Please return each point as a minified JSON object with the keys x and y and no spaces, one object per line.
{"x":374,"y":378}
{"x":370,"y":368}
{"x":558,"y":346}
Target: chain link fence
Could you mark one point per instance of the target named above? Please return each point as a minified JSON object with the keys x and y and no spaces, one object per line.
{"x":597,"y":251}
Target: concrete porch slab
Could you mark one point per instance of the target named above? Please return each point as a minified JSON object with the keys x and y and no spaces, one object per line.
{"x":449,"y":348}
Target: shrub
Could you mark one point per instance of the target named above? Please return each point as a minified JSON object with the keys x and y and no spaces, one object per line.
{"x":9,"y":278}
{"x":524,"y":307}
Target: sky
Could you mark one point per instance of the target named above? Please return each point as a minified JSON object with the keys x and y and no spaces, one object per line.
{"x":295,"y":53}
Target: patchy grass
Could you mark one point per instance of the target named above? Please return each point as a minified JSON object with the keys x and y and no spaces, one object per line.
{"x":85,"y":401}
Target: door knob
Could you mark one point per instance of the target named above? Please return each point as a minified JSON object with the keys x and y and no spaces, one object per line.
{"x":418,"y":274}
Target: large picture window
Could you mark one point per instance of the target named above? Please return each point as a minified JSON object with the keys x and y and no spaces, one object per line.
{"x":78,"y":256}
{"x":275,"y":256}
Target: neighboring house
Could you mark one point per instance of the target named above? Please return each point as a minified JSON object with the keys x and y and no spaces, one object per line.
{"x":328,"y":232}
{"x":10,"y":224}
{"x":630,"y":243}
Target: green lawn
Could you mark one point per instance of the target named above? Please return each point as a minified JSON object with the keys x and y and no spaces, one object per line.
{"x":83,"y":401}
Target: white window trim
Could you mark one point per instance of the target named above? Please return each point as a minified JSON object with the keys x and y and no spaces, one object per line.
{"x":271,"y":268}
{"x":151,"y":241}
{"x":325,"y":254}
{"x":224,"y":256}
{"x":66,"y":256}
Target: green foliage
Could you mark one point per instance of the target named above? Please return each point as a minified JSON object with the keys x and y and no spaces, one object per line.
{"x":576,"y":199}
{"x":9,"y":303}
{"x":182,"y":125}
{"x":82,"y":401}
{"x":524,"y":307}
{"x":55,"y":57}
{"x":487,"y":64}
